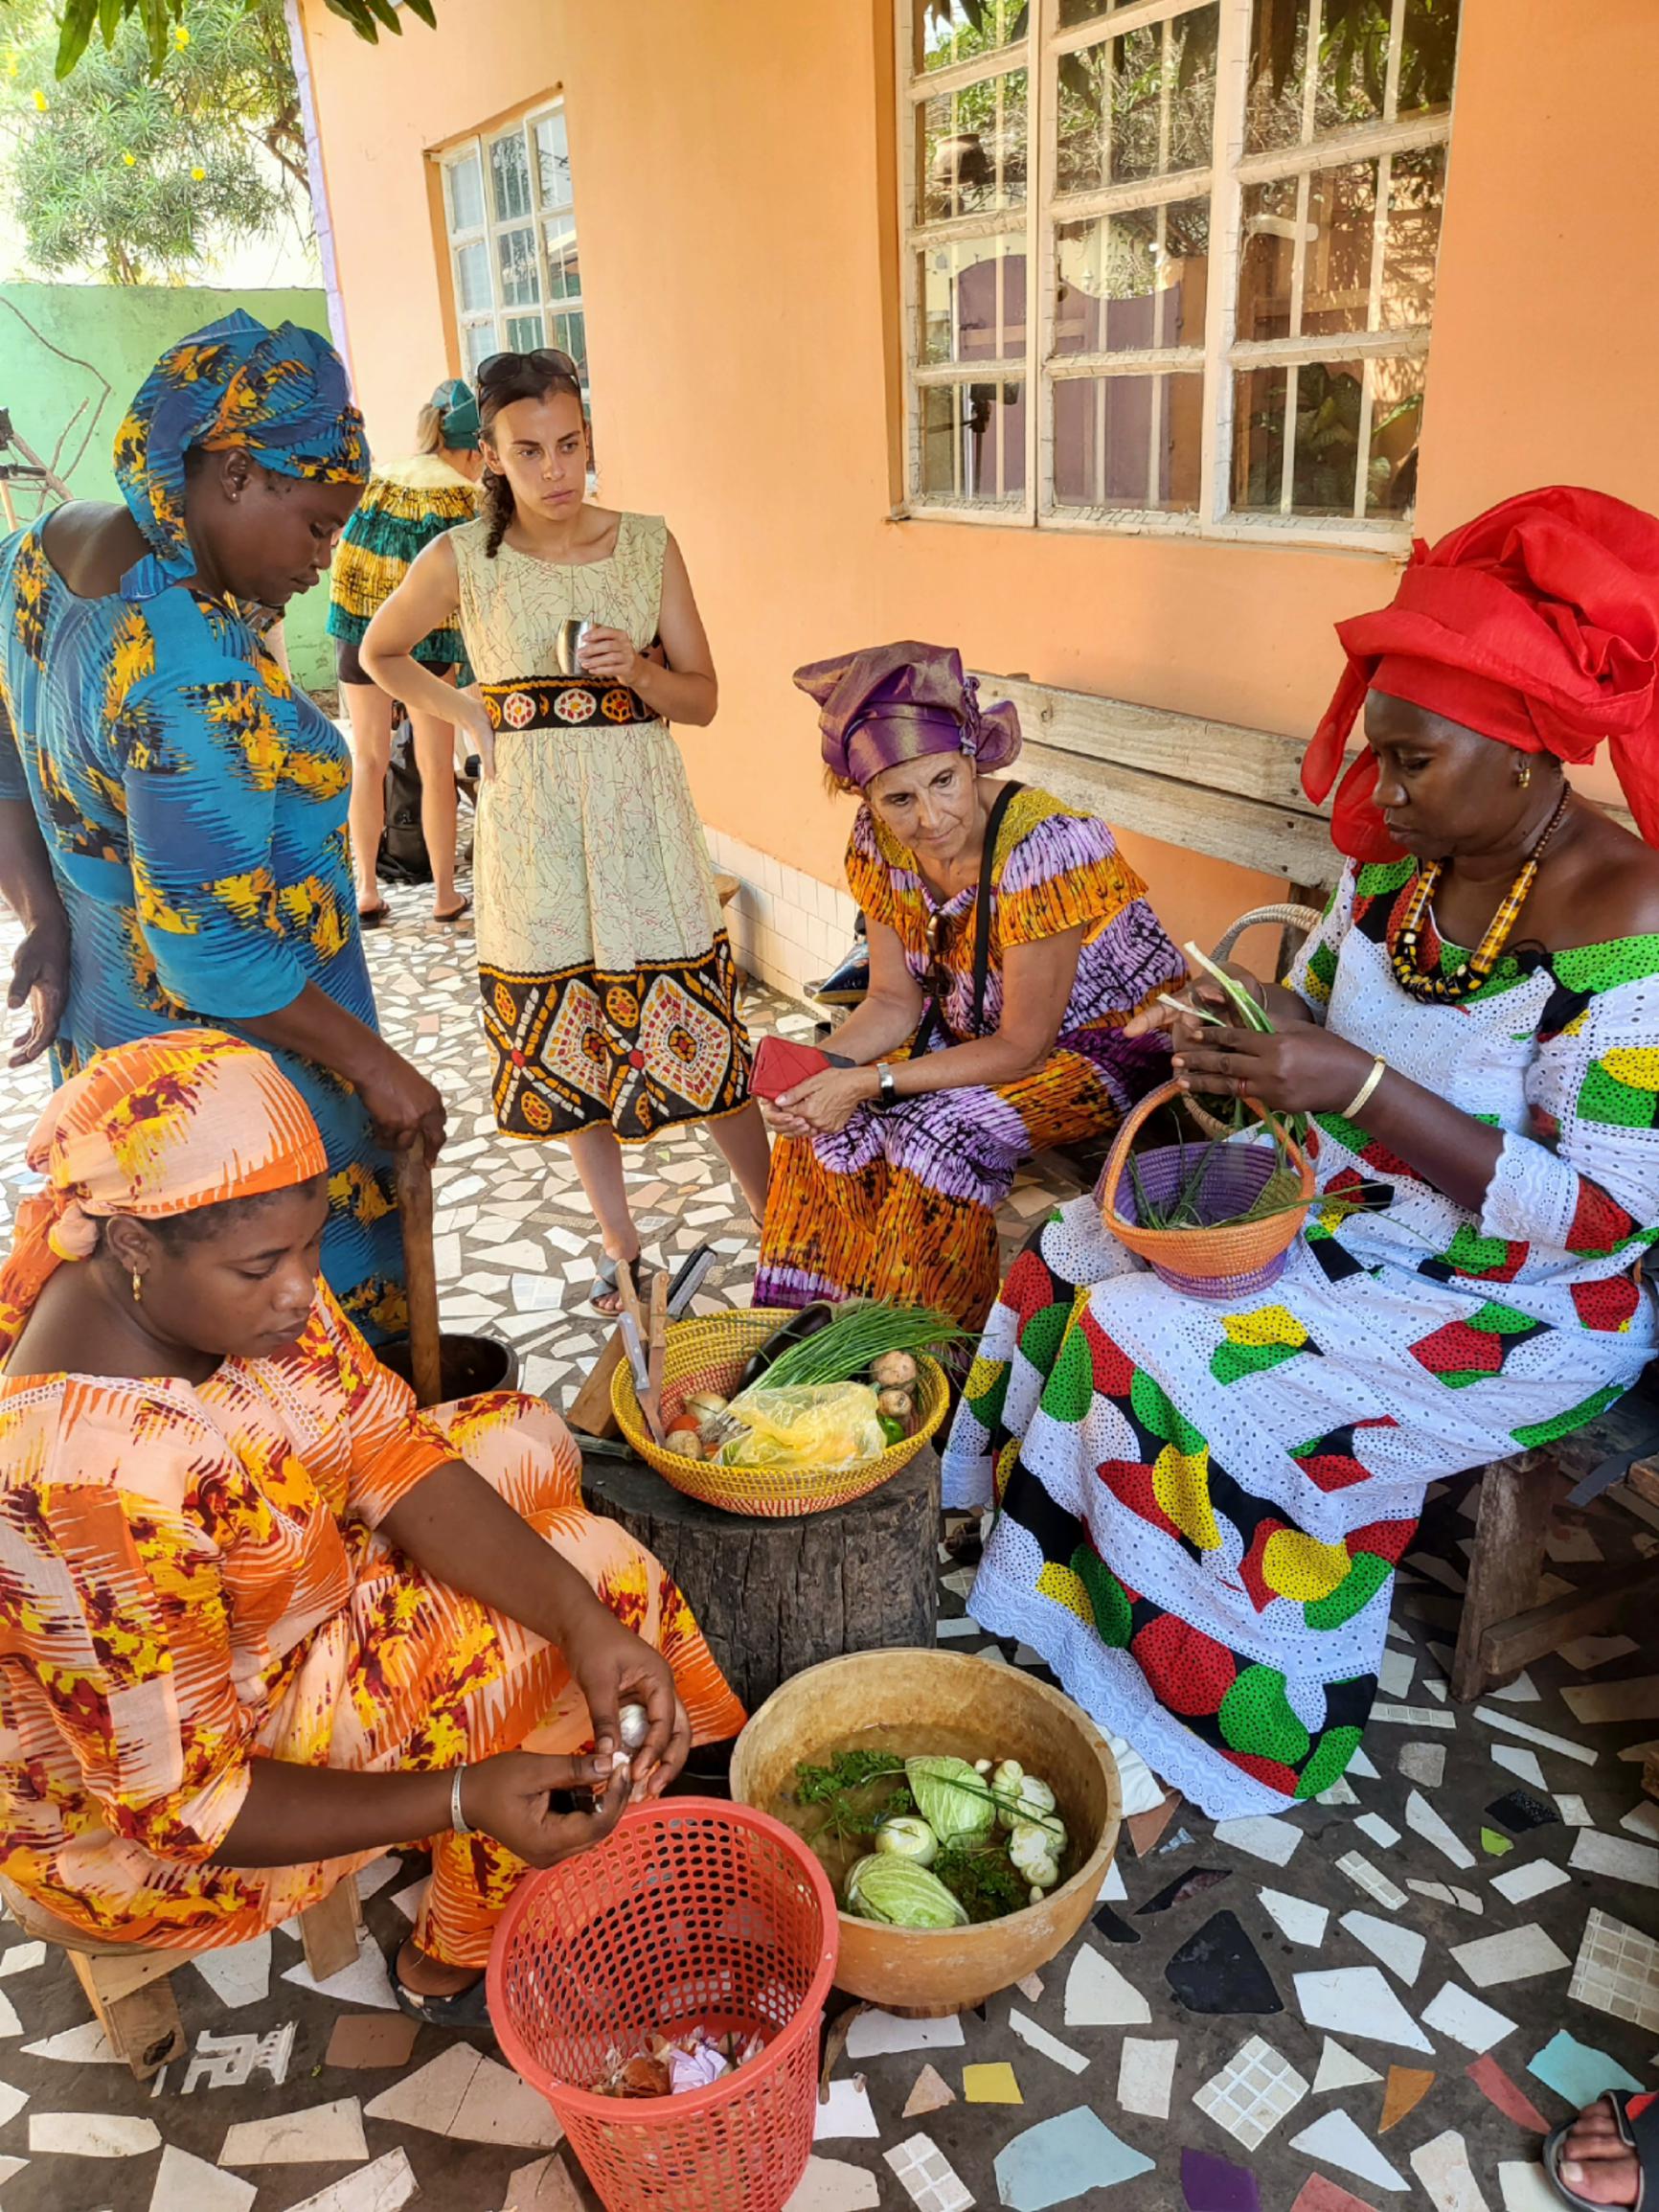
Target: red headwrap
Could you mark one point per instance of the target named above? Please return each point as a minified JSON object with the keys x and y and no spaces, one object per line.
{"x":1537,"y":624}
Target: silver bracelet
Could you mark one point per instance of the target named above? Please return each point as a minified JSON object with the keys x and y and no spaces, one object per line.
{"x":1361,"y":1098}
{"x":457,"y":1819}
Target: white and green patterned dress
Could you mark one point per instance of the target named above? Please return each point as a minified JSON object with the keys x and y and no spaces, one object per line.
{"x":1201,"y":1509}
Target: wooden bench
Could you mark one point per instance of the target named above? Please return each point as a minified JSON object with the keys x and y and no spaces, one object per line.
{"x":131,"y":1989}
{"x":1505,"y":1624}
{"x":1219,"y":789}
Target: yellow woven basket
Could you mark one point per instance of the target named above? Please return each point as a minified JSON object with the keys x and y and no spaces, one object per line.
{"x":710,"y":1354}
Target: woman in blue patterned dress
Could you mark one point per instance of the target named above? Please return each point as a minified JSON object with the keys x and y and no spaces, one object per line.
{"x":190,"y":804}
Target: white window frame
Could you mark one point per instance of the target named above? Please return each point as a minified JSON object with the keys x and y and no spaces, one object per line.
{"x":1223,"y":356}
{"x":545,"y":215}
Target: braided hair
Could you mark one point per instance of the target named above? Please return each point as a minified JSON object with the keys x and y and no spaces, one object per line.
{"x":504,"y":378}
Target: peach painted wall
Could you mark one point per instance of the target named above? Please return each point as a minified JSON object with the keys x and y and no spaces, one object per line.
{"x":733,"y":182}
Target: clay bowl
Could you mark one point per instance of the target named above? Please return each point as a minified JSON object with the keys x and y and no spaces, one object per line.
{"x":941,"y":1702}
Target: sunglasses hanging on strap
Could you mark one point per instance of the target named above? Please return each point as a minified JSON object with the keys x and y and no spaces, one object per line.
{"x":933,"y":1014}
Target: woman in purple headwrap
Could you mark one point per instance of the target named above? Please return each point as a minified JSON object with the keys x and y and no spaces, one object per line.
{"x":1009,"y":945}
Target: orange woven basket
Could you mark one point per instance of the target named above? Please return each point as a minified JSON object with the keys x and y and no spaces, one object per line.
{"x":710,"y":1354}
{"x":1233,"y":1259}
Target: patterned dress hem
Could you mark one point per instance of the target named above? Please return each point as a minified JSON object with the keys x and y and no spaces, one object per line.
{"x":641,"y":1050}
{"x":1173,"y":1753}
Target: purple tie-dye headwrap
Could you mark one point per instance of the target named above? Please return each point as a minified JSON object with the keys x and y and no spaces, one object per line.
{"x":892,"y":703}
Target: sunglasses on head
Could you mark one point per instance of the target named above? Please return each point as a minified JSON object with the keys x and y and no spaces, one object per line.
{"x":540,"y":360}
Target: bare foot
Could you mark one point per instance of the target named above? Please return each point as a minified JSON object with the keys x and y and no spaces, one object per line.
{"x":1595,"y":2161}
{"x":428,"y":1977}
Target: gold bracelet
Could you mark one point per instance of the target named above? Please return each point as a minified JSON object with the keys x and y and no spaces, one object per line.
{"x":1361,"y":1098}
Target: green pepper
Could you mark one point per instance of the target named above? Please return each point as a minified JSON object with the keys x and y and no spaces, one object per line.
{"x":893,"y":1429}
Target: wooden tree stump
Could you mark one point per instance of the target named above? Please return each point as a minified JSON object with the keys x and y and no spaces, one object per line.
{"x":775,"y":1596}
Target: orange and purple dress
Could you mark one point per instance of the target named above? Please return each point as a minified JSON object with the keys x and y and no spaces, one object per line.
{"x":901,"y":1203}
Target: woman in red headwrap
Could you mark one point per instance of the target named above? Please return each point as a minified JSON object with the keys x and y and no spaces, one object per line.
{"x":1009,"y":945}
{"x":1201,"y":1519}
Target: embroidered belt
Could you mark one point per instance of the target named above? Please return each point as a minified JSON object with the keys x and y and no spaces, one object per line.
{"x":562,"y":704}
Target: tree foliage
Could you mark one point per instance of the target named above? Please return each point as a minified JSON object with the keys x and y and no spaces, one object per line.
{"x":141,"y":174}
{"x":157,"y":20}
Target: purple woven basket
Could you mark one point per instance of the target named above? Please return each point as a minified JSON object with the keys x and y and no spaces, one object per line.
{"x":1235,"y":1178}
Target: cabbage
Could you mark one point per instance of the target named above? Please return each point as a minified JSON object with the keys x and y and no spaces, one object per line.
{"x":951,"y":1797}
{"x":906,"y":1837}
{"x":902,"y":1893}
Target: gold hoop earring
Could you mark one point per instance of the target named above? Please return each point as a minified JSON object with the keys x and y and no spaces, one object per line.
{"x":1524,"y":774}
{"x":137,"y":1288}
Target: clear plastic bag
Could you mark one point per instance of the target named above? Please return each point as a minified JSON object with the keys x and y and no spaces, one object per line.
{"x":823,"y":1424}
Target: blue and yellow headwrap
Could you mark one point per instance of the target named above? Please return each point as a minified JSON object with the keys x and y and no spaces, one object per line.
{"x":280,"y":393}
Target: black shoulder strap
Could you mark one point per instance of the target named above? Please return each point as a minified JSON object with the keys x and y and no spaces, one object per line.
{"x":933,"y":1016}
{"x":982,"y":906}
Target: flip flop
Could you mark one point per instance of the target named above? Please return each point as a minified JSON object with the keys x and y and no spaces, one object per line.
{"x":467,"y":2008}
{"x":371,"y":917}
{"x":444,"y":920}
{"x":605,"y":1283}
{"x":1636,"y":2116}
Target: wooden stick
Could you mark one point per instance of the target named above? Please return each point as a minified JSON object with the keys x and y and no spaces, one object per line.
{"x":421,"y":1272}
{"x":630,"y":1300}
{"x":656,"y":1347}
{"x":591,"y":1410}
{"x":631,"y":1306}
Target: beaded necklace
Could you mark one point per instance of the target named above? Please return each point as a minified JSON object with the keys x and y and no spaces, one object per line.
{"x":1405,"y":942}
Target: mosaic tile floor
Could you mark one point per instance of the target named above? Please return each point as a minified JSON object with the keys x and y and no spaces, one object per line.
{"x":1379,"y":2000}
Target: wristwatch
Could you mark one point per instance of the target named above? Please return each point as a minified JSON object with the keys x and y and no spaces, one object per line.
{"x":888,"y":1094}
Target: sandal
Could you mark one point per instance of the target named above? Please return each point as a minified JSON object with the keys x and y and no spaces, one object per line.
{"x":605,"y":1284}
{"x":371,"y":917}
{"x":455,"y":914}
{"x":1636,"y":2116}
{"x":467,"y":2008}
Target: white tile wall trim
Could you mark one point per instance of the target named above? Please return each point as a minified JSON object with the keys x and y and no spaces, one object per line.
{"x":787,"y":928}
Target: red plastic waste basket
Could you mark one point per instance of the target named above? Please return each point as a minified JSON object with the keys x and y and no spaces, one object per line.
{"x":691,"y":1911}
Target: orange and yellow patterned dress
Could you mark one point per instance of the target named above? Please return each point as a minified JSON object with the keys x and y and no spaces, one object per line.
{"x":191,"y":1580}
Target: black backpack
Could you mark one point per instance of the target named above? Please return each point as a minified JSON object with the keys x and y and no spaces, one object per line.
{"x":403,"y":844}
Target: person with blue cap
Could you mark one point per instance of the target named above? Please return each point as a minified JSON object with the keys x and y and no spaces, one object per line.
{"x":406,"y":505}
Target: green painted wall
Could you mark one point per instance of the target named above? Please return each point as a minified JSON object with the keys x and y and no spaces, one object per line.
{"x":72,"y":357}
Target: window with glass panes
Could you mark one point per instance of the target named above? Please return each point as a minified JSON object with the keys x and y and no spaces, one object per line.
{"x":510,"y":220}
{"x":1169,"y":264}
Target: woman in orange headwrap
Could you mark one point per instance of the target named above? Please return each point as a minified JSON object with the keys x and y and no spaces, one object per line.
{"x":1201,"y":1519}
{"x":260,"y":1618}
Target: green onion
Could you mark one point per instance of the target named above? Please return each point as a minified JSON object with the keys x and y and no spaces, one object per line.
{"x":1255,"y":1016}
{"x":861,"y":1332}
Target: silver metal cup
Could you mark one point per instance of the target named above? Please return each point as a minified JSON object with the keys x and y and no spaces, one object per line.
{"x":567,"y":646}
